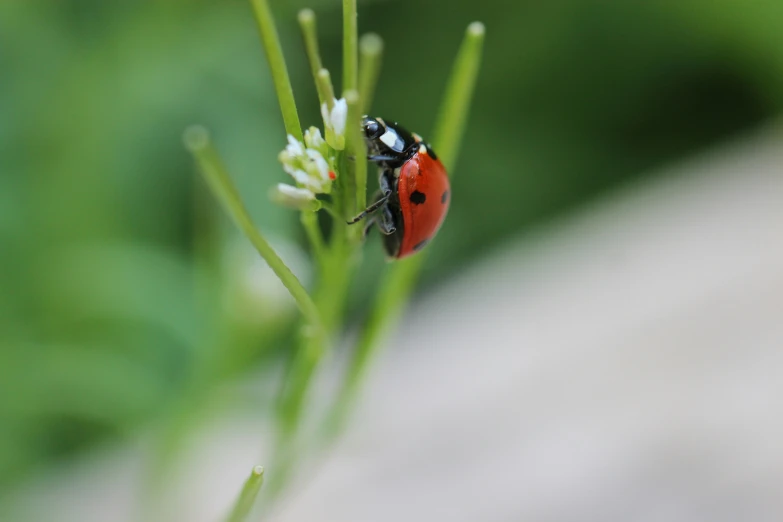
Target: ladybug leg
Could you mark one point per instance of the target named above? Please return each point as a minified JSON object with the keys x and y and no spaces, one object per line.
{"x":381,"y":199}
{"x":379,"y":158}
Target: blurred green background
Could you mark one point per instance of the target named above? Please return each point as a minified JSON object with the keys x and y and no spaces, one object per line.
{"x":126,"y":304}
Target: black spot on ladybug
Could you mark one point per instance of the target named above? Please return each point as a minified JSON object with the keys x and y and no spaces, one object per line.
{"x":421,"y":244}
{"x":445,"y":197}
{"x":417,"y":198}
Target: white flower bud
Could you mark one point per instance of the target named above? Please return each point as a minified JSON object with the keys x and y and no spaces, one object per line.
{"x":294,"y":148}
{"x":294,"y":197}
{"x":313,"y":139}
{"x":339,"y":116}
{"x":308,"y":167}
{"x":321,"y":165}
{"x":334,"y":122}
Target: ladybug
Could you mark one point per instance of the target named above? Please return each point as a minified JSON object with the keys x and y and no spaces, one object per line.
{"x":414,"y":190}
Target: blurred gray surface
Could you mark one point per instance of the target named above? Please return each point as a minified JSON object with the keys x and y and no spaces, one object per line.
{"x":624,"y":364}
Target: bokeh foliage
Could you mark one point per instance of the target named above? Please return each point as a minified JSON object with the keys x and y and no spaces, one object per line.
{"x":113,"y":287}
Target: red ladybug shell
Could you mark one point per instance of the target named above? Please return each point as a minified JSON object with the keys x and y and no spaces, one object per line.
{"x":424,"y":193}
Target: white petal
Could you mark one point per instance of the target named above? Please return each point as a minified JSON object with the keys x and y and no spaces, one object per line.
{"x":320,"y":162}
{"x":325,"y":114}
{"x":339,"y":115}
{"x":294,"y":147}
{"x":300,"y":176}
{"x":295,"y":193}
{"x":294,"y":197}
{"x":313,"y":138}
{"x":315,"y":185}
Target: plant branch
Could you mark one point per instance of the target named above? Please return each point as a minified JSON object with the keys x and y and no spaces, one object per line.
{"x":350,"y":39}
{"x":313,"y":231}
{"x":355,"y":148}
{"x":197,"y":141}
{"x":274,"y":55}
{"x":310,"y":36}
{"x":247,"y":497}
{"x":370,"y":57}
{"x":323,"y":82}
{"x":455,"y":107}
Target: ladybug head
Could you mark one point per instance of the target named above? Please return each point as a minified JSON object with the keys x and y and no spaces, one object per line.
{"x":373,"y":129}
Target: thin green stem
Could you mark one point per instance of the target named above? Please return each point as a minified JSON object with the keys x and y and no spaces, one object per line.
{"x":323,"y":82}
{"x":330,"y":298}
{"x":454,"y":110}
{"x":395,"y":288}
{"x":274,"y":55}
{"x":355,"y":148}
{"x":310,"y":36}
{"x":350,"y":40}
{"x":332,"y":210}
{"x":310,"y":224}
{"x":340,"y":198}
{"x":398,"y":282}
{"x":247,"y":497}
{"x":197,"y":141}
{"x":297,"y":383}
{"x":370,"y":58}
{"x":205,"y":238}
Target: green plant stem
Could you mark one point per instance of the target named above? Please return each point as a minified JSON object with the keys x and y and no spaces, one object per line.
{"x":309,"y":29}
{"x":330,"y":298}
{"x":370,"y":58}
{"x":355,"y":148}
{"x":313,"y":339}
{"x":307,"y":23}
{"x":455,"y":107}
{"x":309,"y":354}
{"x":323,"y":82}
{"x":340,"y":198}
{"x":197,"y":141}
{"x":274,"y":55}
{"x":247,"y":497}
{"x":310,"y":351}
{"x":350,"y":47}
{"x":399,"y":280}
{"x":393,"y":293}
{"x":313,"y":231}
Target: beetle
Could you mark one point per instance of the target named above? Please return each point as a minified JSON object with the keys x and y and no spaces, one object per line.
{"x":414,"y":193}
